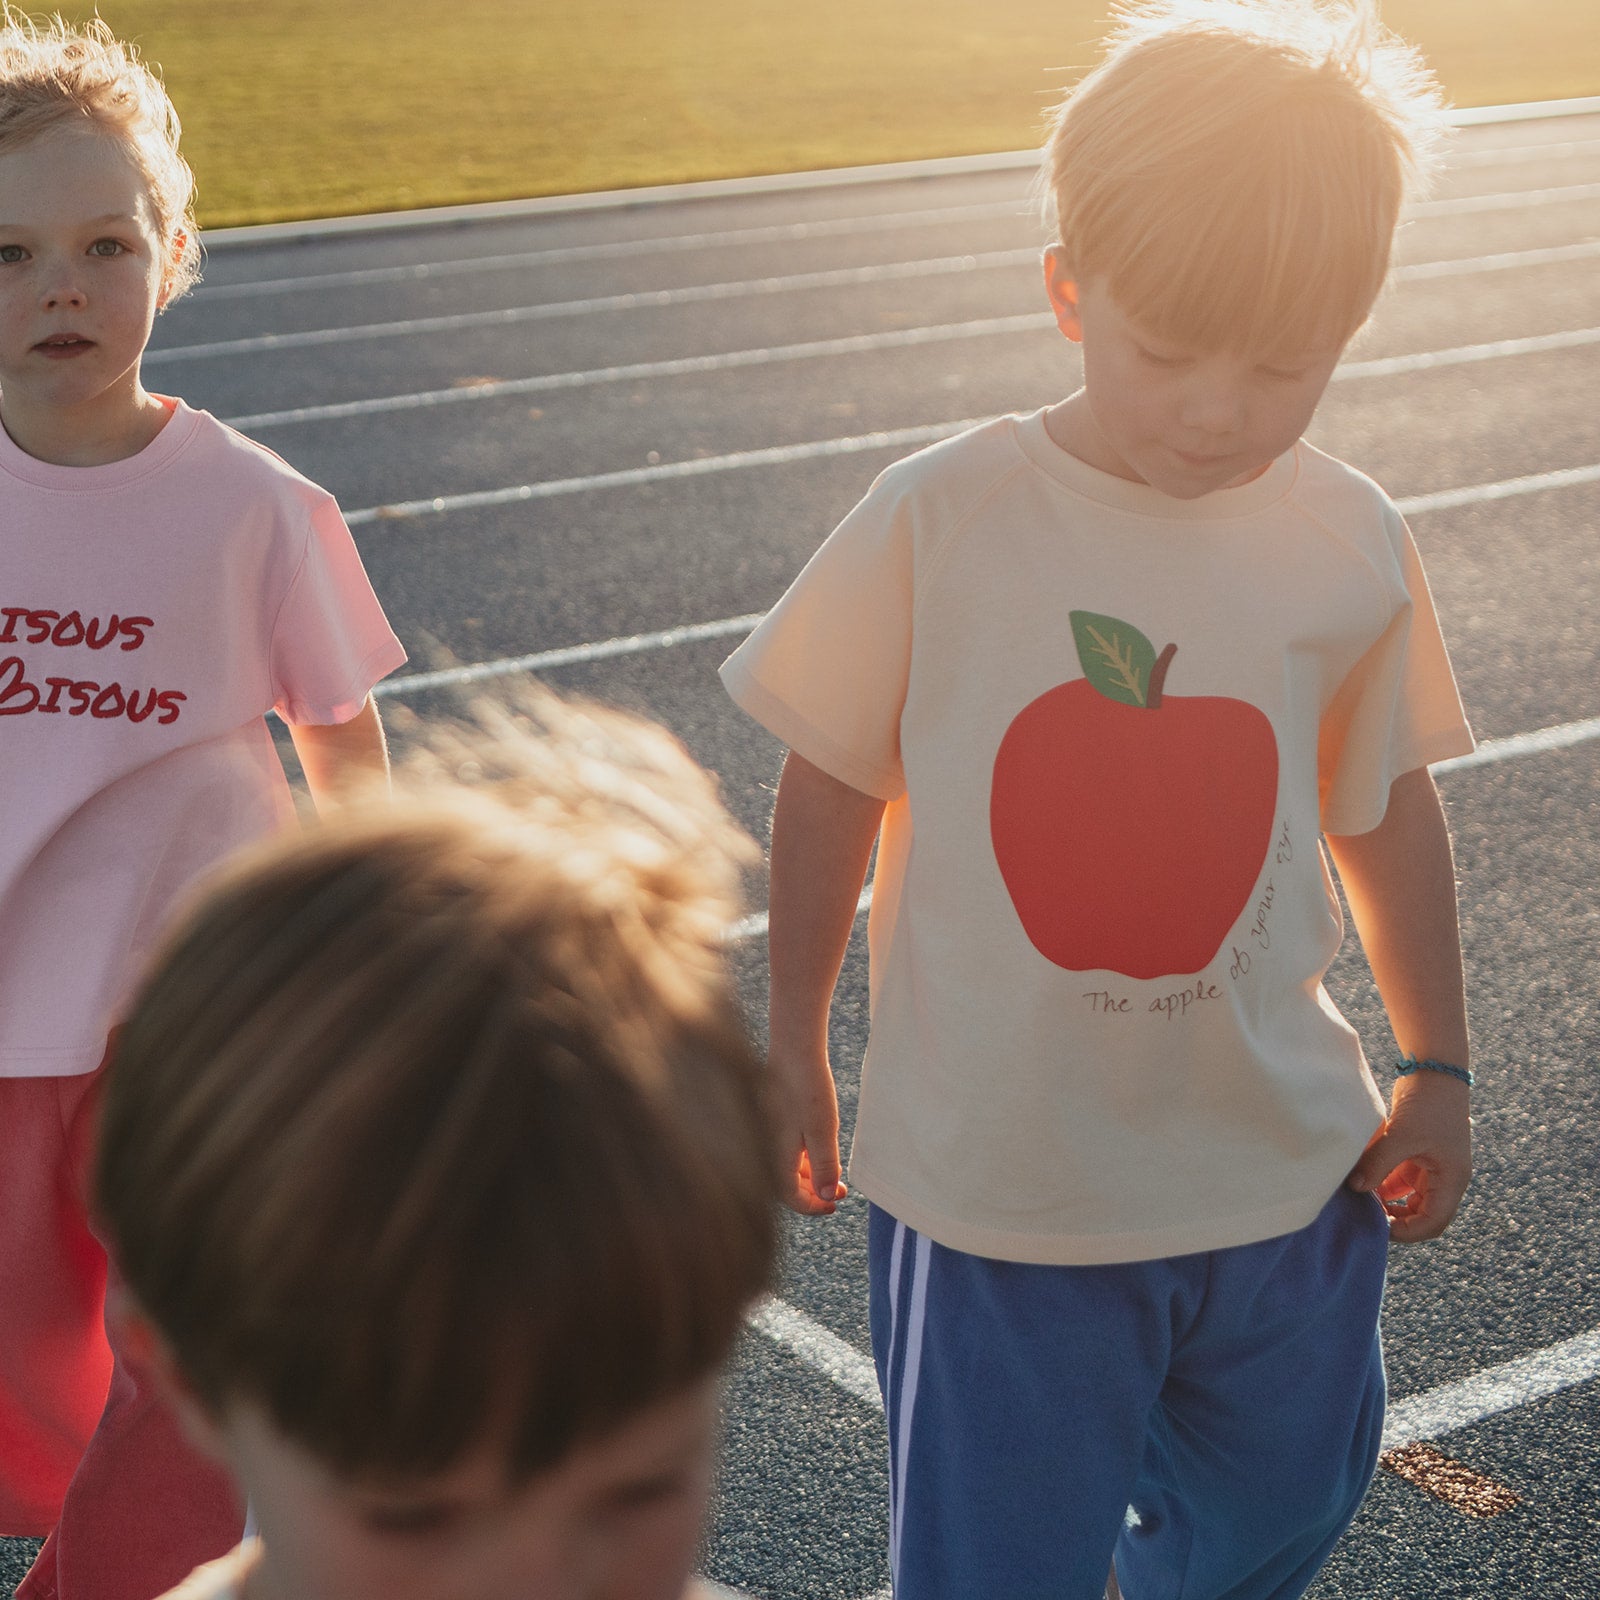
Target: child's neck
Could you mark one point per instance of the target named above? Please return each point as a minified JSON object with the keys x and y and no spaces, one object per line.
{"x":86,"y":438}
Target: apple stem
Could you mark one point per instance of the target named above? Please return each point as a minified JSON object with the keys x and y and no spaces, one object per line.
{"x":1158,"y":676}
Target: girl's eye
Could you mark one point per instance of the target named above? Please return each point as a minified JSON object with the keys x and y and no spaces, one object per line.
{"x":11,"y":253}
{"x":105,"y":247}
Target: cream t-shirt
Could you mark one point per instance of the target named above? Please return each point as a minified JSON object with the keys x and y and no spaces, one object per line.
{"x":1102,"y":915}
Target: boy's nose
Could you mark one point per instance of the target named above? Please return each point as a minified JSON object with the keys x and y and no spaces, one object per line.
{"x":1214,"y":409}
{"x":65,"y":296}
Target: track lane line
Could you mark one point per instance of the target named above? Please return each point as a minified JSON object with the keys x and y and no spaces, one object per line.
{"x":1432,"y":1414}
{"x":735,"y":238}
{"x":850,"y":345}
{"x":701,"y":293}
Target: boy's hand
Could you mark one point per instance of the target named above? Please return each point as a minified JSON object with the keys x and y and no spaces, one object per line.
{"x":1420,"y":1162}
{"x":806,"y":1110}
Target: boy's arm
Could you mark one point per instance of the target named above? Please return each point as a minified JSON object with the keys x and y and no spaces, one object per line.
{"x":1400,"y":881}
{"x":333,"y":755}
{"x":822,"y":834}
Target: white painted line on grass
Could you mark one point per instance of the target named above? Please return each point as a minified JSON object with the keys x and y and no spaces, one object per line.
{"x":644,"y":299}
{"x":850,"y":345}
{"x":1508,"y":1387}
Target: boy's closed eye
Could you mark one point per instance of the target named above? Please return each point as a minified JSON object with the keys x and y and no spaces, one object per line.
{"x":418,"y":1519}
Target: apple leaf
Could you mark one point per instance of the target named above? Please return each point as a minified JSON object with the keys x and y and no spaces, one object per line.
{"x":1116,"y":657}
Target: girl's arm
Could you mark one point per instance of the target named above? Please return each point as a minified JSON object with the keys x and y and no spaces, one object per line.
{"x":336,"y":754}
{"x":1400,"y":881}
{"x":822,"y":834}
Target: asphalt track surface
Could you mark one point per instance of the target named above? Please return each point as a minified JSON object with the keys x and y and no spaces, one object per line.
{"x":609,"y":437}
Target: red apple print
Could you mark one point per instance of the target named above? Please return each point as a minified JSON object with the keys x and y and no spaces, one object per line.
{"x":1130,"y":825}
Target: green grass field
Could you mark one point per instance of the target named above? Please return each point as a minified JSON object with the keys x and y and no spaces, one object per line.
{"x":296,"y":108}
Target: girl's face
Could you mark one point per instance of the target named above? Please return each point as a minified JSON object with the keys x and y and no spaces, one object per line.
{"x":83,"y":271}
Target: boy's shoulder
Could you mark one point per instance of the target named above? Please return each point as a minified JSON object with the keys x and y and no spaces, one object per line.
{"x":955,"y":472}
{"x":1339,"y":494}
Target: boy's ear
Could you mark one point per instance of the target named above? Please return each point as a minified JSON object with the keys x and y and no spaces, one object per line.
{"x":140,"y":1344}
{"x":1061,"y":286}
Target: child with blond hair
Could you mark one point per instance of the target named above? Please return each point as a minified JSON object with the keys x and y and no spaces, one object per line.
{"x":1103,"y":682}
{"x":435,"y":1156}
{"x":163,"y":583}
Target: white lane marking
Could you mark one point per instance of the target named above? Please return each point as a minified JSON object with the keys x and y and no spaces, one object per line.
{"x":1562,"y":736}
{"x":779,"y":233}
{"x":572,"y":655}
{"x":683,"y":366}
{"x":772,"y":455}
{"x":1462,"y":355}
{"x":1491,"y":1393}
{"x":861,"y":344}
{"x":1461,"y":160}
{"x":1426,"y":1416}
{"x":853,"y":444}
{"x":1467,"y":204}
{"x":690,"y":294}
{"x":624,"y":249}
{"x":821,"y":1350}
{"x":1465,"y":266}
{"x":1509,"y":488}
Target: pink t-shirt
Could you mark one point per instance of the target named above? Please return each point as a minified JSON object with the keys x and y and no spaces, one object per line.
{"x":152,"y":610}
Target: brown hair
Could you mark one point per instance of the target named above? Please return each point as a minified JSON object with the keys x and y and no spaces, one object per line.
{"x":1234,"y":169}
{"x":439,"y":1124}
{"x":52,"y":75}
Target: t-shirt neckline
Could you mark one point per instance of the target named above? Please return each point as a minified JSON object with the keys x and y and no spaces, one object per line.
{"x":15,"y":462}
{"x":1139,"y":498}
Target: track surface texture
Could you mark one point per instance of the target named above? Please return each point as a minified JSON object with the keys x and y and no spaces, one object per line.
{"x":634,"y":370}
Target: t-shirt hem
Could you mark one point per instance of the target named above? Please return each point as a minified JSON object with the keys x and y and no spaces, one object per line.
{"x":1093,"y":1250}
{"x":787,"y":725}
{"x":377,"y":666}
{"x":1439,"y":746}
{"x":52,"y":1062}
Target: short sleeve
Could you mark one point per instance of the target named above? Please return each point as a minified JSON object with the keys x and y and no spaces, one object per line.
{"x":331,"y":642}
{"x":826,"y":670}
{"x":1397,"y":710}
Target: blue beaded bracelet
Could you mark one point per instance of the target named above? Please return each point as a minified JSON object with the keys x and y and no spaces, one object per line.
{"x":1410,"y":1064}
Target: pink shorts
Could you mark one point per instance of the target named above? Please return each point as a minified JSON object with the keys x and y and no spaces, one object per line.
{"x":89,"y":1453}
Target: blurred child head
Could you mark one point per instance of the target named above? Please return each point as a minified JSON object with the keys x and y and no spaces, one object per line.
{"x":55,"y":78}
{"x":434,"y":1154}
{"x":1232,"y":172}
